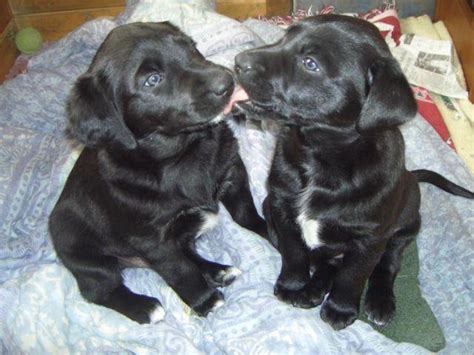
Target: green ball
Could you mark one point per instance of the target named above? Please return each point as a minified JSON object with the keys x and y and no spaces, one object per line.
{"x":28,"y":40}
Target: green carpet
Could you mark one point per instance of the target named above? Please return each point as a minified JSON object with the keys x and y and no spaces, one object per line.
{"x":414,"y":321}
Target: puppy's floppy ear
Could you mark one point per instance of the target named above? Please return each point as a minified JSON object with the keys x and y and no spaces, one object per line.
{"x":390,"y":101}
{"x":94,"y":119}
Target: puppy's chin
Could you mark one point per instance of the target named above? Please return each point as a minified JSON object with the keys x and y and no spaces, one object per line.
{"x":201,"y":125}
{"x":257,"y":112}
{"x":249,"y":107}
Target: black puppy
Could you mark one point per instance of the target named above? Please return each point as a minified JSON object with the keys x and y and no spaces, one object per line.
{"x":155,"y":166}
{"x":341,"y":206}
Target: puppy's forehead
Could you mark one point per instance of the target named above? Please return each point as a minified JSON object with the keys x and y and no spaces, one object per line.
{"x":128,"y":45}
{"x":143,"y":29}
{"x":336,"y":30}
{"x":134,"y":34}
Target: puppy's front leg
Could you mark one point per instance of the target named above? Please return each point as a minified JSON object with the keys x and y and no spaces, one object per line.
{"x":185,"y":278}
{"x":236,"y":197}
{"x":294,"y":274}
{"x":380,"y":298}
{"x":341,"y":307}
{"x":170,"y":260}
{"x":216,"y":275}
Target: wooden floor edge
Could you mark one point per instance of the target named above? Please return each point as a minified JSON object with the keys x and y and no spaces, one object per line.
{"x":9,"y":31}
{"x":55,"y":25}
{"x":8,"y":49}
{"x":69,"y":12}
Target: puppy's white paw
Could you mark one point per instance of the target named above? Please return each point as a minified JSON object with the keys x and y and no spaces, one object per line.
{"x":209,"y":303}
{"x":376,"y":321}
{"x":232,"y":273}
{"x":218,"y":304}
{"x":157,"y":315}
{"x":227,"y":276}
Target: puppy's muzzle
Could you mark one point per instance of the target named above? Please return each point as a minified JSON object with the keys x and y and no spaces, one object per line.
{"x":246,"y":64}
{"x":222,"y":84}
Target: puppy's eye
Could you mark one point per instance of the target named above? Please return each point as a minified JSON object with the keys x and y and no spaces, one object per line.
{"x":310,"y":64}
{"x":153,"y":80}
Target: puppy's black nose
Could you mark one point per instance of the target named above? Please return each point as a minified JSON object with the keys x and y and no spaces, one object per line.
{"x":222,"y":84}
{"x":243,"y":63}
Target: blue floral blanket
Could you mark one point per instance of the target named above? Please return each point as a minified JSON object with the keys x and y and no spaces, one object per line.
{"x":41,"y":310}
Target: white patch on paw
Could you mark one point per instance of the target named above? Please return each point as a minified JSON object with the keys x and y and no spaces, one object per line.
{"x":157,"y":314}
{"x":210,"y":220}
{"x":371,"y":318}
{"x":380,"y":324}
{"x":232,"y":273}
{"x":218,"y":304}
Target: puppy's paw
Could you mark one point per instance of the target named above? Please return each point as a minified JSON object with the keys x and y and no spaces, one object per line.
{"x":144,"y":310}
{"x":297,"y":291}
{"x":290,"y":282}
{"x":208,"y":303}
{"x":338,"y":316}
{"x":303,"y":298}
{"x":223,"y":277}
{"x":315,"y":295}
{"x":380,"y":306}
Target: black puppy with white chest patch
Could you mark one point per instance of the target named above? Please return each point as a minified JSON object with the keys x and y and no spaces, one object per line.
{"x":341,"y":206}
{"x":155,"y":166}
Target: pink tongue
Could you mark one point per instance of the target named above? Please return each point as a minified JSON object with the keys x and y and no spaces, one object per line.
{"x":239,"y":94}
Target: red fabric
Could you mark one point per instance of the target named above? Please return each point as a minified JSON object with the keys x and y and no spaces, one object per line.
{"x":430,"y":113}
{"x":390,"y":19}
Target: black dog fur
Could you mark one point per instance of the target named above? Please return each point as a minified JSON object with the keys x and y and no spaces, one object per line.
{"x":155,"y":166}
{"x":341,"y":206}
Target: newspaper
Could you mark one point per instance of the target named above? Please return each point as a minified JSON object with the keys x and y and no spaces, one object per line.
{"x":430,"y":64}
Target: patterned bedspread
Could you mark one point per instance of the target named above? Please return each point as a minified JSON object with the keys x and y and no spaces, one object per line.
{"x":41,"y":310}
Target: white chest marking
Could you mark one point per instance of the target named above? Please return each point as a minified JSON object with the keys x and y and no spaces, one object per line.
{"x":220,"y":117}
{"x":210,"y":220}
{"x":310,"y":231}
{"x":310,"y":228}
